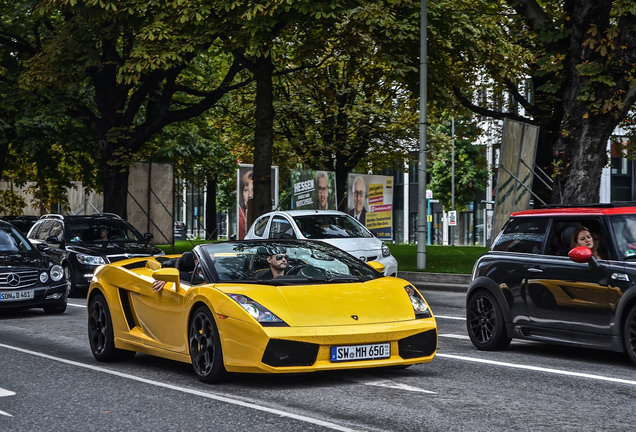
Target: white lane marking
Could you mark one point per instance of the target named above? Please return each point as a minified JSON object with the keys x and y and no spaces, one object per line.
{"x":216,"y":397}
{"x":454,"y":336}
{"x":76,"y":305}
{"x":379,"y":382}
{"x":538,"y":369}
{"x":450,"y":317}
{"x":3,"y":393}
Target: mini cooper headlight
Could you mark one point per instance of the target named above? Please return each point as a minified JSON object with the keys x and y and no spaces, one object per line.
{"x":44,"y":276}
{"x":258,"y":312}
{"x":57,"y":273}
{"x":386,"y":252}
{"x":90,"y":260}
{"x":419,"y":305}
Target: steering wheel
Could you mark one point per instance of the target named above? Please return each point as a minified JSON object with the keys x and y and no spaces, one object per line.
{"x":295,"y":269}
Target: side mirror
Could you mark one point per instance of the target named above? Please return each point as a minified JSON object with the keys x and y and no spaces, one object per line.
{"x":580,"y":254}
{"x":379,"y":267}
{"x":148,"y":236}
{"x":169,"y":274}
{"x":41,"y":247}
{"x":53,"y":240}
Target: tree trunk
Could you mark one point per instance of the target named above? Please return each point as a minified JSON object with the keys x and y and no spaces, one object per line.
{"x":263,"y":139}
{"x":211,"y":226}
{"x":115,"y":181}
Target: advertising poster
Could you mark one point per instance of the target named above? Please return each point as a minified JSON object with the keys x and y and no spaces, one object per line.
{"x":313,"y":190}
{"x":370,"y":200}
{"x":245,"y":192}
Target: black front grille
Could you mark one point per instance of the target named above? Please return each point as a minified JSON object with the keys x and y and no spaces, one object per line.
{"x":419,"y":345}
{"x":114,"y":258}
{"x":19,"y":279}
{"x":281,"y":352}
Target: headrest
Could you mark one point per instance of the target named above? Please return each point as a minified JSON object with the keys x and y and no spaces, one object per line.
{"x":185,"y":262}
{"x":566,"y":235}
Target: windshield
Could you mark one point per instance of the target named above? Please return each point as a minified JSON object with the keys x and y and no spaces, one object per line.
{"x":12,"y":241}
{"x":624,"y":228}
{"x":317,"y":226}
{"x":97,"y":231}
{"x":298,"y":262}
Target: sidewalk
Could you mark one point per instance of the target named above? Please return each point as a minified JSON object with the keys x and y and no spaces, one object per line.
{"x":437,"y":281}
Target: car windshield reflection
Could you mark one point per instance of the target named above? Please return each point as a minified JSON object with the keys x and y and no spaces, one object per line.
{"x":299,"y":262}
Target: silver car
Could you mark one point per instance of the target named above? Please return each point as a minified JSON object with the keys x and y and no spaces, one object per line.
{"x":329,"y":226}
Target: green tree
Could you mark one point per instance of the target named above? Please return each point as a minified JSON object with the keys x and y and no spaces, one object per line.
{"x":570,"y":66}
{"x":126,"y":69}
{"x":471,"y":167}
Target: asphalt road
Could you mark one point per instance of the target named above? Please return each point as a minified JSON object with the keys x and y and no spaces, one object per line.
{"x":50,"y":381}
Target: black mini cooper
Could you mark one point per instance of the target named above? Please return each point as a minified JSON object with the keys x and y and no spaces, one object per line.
{"x":28,"y":279}
{"x":536,"y":284}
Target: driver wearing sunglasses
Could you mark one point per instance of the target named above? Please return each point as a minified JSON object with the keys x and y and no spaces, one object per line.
{"x":277,"y":260}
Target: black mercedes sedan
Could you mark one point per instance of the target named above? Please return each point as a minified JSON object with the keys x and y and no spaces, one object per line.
{"x":28,"y":278}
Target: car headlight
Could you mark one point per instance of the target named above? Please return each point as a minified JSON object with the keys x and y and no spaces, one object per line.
{"x":90,"y":259}
{"x":419,"y":305}
{"x":57,"y":273}
{"x":258,"y":312}
{"x":386,"y":252}
{"x":44,"y":276}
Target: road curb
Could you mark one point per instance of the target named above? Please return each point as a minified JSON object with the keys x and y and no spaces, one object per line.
{"x":438,"y":281}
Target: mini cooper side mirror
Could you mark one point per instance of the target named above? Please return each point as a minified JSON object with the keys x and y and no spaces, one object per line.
{"x":580,"y":254}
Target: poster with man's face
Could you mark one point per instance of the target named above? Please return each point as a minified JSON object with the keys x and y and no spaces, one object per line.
{"x":370,"y":201}
{"x":313,"y":190}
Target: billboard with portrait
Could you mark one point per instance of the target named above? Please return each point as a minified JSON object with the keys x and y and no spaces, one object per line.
{"x":245,"y":192}
{"x":313,"y":190}
{"x":370,"y":201}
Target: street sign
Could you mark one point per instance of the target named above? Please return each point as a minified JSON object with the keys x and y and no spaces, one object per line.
{"x":452,"y":218}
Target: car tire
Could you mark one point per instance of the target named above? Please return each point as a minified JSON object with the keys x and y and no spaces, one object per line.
{"x":58,"y":307}
{"x":484,"y":322}
{"x":205,"y":347}
{"x":70,"y":282}
{"x":100,"y":332}
{"x":629,"y":334}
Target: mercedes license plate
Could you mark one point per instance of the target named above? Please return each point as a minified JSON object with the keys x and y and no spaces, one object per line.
{"x":16,"y":295}
{"x":360,"y":352}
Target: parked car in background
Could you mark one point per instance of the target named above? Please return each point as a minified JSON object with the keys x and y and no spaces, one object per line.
{"x":23,"y":223}
{"x":329,"y":226}
{"x":28,"y":278}
{"x":81,"y":243}
{"x":328,"y":311}
{"x":535,"y":284}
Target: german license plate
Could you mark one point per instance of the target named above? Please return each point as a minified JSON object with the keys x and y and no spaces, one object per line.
{"x":360,"y":352}
{"x":16,"y":295}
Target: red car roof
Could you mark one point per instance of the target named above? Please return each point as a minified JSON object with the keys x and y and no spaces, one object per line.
{"x":570,"y":211}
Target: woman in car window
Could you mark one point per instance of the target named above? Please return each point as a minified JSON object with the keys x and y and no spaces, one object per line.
{"x":583,"y":237}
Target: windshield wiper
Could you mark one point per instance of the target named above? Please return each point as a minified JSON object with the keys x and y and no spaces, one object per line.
{"x":344,"y":278}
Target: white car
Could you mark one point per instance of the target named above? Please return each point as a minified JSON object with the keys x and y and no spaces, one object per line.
{"x":329,"y":226}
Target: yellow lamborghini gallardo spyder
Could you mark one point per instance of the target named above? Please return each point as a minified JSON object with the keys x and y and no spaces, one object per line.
{"x":273,"y":306}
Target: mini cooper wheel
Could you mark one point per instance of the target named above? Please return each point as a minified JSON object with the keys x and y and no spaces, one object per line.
{"x":205,"y":347}
{"x":629,"y":334}
{"x":484,"y":322}
{"x":100,"y":332}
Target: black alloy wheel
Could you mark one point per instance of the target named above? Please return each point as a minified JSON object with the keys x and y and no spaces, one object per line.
{"x":205,"y":347}
{"x":484,"y":322}
{"x":100,"y":332}
{"x":629,"y":334}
